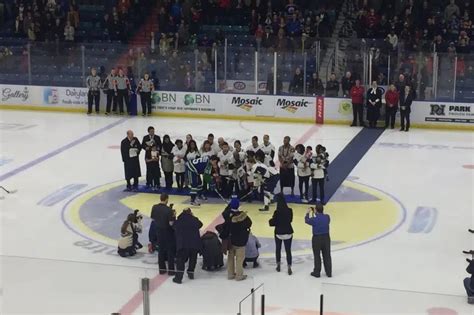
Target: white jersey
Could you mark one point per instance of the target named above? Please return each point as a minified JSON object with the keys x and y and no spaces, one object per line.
{"x":302,"y":164}
{"x":224,"y":161}
{"x":318,"y":169}
{"x":253,"y":149}
{"x":192,"y":155}
{"x":178,"y":159}
{"x":215,"y":148}
{"x":208,"y":153}
{"x":269,"y":151}
{"x":260,"y":172}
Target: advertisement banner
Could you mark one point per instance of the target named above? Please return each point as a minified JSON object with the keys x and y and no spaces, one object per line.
{"x":442,"y":113}
{"x":182,"y":102}
{"x":65,"y":97}
{"x":320,"y":110}
{"x":337,"y":109}
{"x":242,"y":86}
{"x":19,"y":94}
{"x":294,"y":107}
{"x":242,"y":105}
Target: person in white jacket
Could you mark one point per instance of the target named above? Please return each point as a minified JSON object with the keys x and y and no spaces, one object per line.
{"x":303,"y":171}
{"x":317,"y":167}
{"x":179,"y":152}
{"x":226,"y":159}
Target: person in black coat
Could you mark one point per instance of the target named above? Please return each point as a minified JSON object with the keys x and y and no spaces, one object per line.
{"x":469,"y":281}
{"x":281,"y":220}
{"x":296,"y":85}
{"x":279,"y":84}
{"x":374,"y":103}
{"x":406,"y":99}
{"x":315,"y":85}
{"x":164,"y":217}
{"x":212,"y":257}
{"x":151,"y":139}
{"x":130,"y":148}
{"x":236,"y":229}
{"x":188,"y":243}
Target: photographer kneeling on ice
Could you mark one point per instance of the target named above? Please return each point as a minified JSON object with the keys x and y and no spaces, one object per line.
{"x":128,"y":243}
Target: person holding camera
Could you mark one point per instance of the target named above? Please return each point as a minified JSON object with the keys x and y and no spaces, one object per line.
{"x":188,"y":243}
{"x":128,"y":243}
{"x":321,"y":241}
{"x":165,"y":216}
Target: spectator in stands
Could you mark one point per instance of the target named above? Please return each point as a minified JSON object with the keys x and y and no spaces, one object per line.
{"x":392,"y":39}
{"x":347,"y":83}
{"x":259,"y":33}
{"x":73,"y":16}
{"x":69,"y":32}
{"x":391,"y":105}
{"x":315,"y":86}
{"x":357,"y":96}
{"x":451,"y":10}
{"x":270,"y":87}
{"x":188,"y":81}
{"x":296,"y":85}
{"x":332,"y":86}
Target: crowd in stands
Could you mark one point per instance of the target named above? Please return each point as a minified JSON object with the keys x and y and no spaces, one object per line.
{"x":445,"y":26}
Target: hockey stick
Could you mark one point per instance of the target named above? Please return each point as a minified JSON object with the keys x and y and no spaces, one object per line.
{"x":218,"y":193}
{"x":472,"y":231}
{"x":8,"y":191}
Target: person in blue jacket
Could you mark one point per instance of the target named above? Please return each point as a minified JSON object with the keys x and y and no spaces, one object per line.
{"x":321,"y":240}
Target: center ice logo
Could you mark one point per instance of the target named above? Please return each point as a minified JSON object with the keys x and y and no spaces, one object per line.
{"x":360,"y":214}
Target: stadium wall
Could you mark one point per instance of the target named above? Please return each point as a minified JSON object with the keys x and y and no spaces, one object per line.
{"x":439,"y":115}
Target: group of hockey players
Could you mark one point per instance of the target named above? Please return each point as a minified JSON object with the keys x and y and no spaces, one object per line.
{"x":226,"y":169}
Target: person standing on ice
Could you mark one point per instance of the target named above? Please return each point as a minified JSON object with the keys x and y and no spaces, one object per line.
{"x":374,"y":103}
{"x":130,"y":149}
{"x":321,"y":241}
{"x":268,"y":149}
{"x":287,"y":167}
{"x":265,"y":178}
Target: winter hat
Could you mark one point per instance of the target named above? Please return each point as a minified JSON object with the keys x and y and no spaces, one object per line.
{"x":234,"y":204}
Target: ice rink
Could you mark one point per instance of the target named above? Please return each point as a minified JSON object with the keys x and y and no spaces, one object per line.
{"x":399,"y":223}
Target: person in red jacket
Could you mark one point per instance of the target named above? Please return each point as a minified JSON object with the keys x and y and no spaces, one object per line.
{"x":357,"y":96}
{"x":391,"y":105}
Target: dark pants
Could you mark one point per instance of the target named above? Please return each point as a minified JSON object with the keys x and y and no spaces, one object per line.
{"x":227,"y":186}
{"x":251,"y":260}
{"x":145,"y":98}
{"x":182,"y":256}
{"x":111,"y":100}
{"x":180,"y":180}
{"x":405,"y":119}
{"x":315,"y":182}
{"x":168,"y":180}
{"x":467,"y":286}
{"x":303,"y":181}
{"x":93,"y":97}
{"x":287,"y":243}
{"x":135,"y":183}
{"x":167,"y":251}
{"x":122,"y":98}
{"x":358,"y":114}
{"x":322,"y":244}
{"x":390,"y":113}
{"x":153,"y":174}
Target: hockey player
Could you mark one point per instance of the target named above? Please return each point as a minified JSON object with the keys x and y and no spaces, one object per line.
{"x":255,"y":146}
{"x":265,"y":178}
{"x":226,"y":159}
{"x":239,"y":175}
{"x":195,"y":168}
{"x":268,"y":149}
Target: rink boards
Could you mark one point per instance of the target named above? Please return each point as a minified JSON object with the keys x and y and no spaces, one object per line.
{"x":309,"y":109}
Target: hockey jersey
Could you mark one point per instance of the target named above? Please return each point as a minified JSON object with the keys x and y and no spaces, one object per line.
{"x":260,"y":172}
{"x":224,"y":161}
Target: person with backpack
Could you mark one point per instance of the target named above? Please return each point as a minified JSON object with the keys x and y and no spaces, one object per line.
{"x":281,"y":220}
